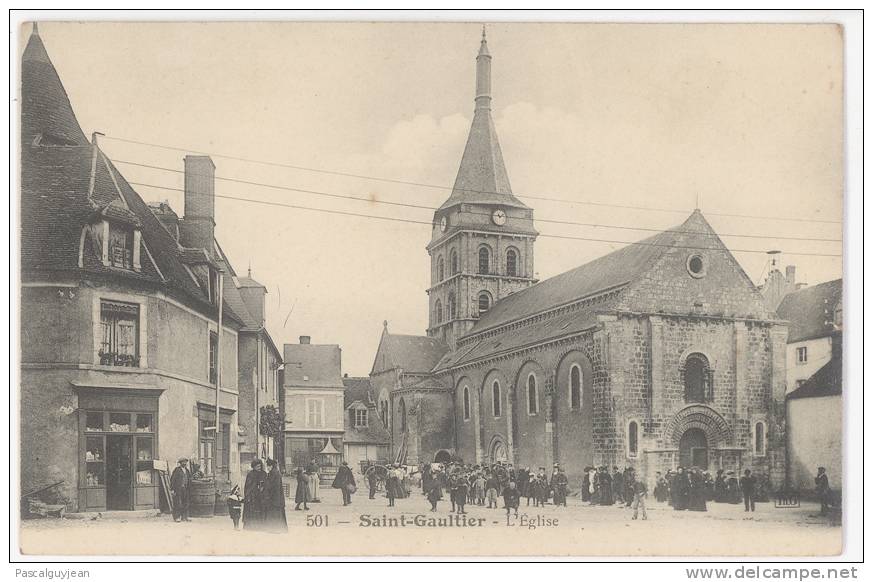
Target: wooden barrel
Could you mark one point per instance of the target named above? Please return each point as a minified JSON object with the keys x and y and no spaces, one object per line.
{"x":202,"y":499}
{"x":221,"y":494}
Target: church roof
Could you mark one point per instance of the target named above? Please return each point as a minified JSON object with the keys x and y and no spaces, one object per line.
{"x":414,"y":354}
{"x":66,"y":183}
{"x":609,"y":271}
{"x":811,"y":311}
{"x":621,"y":271}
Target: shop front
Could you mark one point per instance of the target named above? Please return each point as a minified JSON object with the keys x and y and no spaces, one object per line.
{"x":118,"y":443}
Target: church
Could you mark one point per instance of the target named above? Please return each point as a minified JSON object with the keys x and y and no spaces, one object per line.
{"x":657,"y":355}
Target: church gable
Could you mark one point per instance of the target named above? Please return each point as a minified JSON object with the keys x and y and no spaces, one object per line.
{"x":697,"y":274}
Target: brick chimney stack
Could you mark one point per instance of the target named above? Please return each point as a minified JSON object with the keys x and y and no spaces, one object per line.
{"x":305,"y":340}
{"x":198,"y":224}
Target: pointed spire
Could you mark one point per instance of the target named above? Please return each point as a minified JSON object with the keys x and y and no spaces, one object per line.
{"x":483,"y":75}
{"x":35,"y":31}
{"x":482,"y":176}
{"x":45,"y":107}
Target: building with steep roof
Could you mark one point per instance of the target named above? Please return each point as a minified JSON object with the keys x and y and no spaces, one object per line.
{"x":366,"y":440}
{"x":815,"y":324}
{"x":314,"y":406}
{"x":660,"y":354}
{"x":815,"y":426}
{"x":127,"y":347}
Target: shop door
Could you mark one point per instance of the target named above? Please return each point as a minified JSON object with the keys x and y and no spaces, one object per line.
{"x":118,"y":472}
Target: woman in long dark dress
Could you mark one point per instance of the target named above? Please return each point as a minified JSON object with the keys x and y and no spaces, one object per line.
{"x":606,"y":495}
{"x":586,"y":485}
{"x":679,"y":490}
{"x":697,"y":491}
{"x":274,"y":497}
{"x":302,"y":493}
{"x":254,"y":501}
{"x":720,"y":487}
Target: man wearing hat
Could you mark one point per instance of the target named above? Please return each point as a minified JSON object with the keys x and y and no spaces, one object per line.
{"x":180,"y":485}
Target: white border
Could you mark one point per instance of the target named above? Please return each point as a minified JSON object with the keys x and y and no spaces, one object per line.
{"x":852,"y":22}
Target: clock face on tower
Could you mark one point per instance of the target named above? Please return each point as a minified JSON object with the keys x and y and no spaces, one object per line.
{"x":443,"y":223}
{"x":499,"y":217}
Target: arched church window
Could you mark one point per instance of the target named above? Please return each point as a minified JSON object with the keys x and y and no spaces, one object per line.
{"x":495,"y":398}
{"x":383,"y":412}
{"x":575,"y":387}
{"x":511,"y":263}
{"x":484,"y":260}
{"x":697,"y":379}
{"x":441,"y":269}
{"x":453,"y":262}
{"x":532,"y":400}
{"x":633,"y":438}
{"x":760,"y":439}
{"x":466,"y":403}
{"x":401,"y":408}
{"x":452,"y":307}
{"x":438,"y":312}
{"x":484,"y":301}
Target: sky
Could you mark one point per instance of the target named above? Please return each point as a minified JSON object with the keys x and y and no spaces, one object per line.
{"x":733,"y":119}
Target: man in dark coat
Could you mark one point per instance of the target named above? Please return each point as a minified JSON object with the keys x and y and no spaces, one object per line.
{"x":180,"y":485}
{"x":344,"y":481}
{"x":618,"y":485}
{"x":372,"y":481}
{"x":559,"y":486}
{"x":253,"y":496}
{"x":523,"y":481}
{"x":274,"y":500}
{"x":510,"y":498}
{"x":461,"y":490}
{"x":747,"y":485}
{"x":823,"y":488}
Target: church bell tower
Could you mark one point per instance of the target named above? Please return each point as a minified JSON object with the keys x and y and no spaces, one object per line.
{"x":482,"y":244}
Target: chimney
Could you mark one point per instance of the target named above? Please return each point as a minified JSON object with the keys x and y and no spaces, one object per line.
{"x":198,"y":226}
{"x":304,"y":340}
{"x":790,"y":273}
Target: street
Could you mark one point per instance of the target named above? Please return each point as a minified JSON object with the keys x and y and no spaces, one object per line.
{"x":369,"y":527}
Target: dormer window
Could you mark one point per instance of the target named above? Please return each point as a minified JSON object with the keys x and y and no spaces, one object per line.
{"x":120,"y":246}
{"x":360,"y":417}
{"x":119,"y":243}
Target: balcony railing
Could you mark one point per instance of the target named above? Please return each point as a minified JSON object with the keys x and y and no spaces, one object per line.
{"x":118,"y":359}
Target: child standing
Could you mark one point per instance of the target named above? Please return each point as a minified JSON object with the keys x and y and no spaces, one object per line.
{"x":510,"y":498}
{"x":491,"y":486}
{"x":234,"y":505}
{"x":434,"y":495}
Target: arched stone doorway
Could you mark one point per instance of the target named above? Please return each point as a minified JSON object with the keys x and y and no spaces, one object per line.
{"x":694,"y":449}
{"x":442,"y":456}
{"x":498,"y":451}
{"x":698,"y":433}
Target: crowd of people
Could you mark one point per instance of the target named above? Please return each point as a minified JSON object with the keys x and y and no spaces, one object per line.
{"x":261,"y":504}
{"x":486,"y":485}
